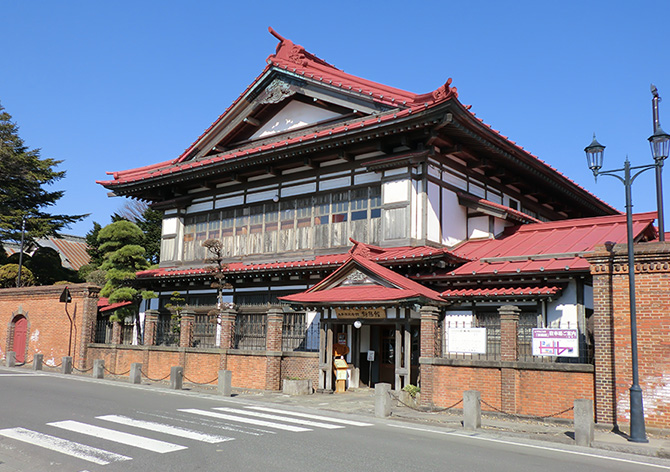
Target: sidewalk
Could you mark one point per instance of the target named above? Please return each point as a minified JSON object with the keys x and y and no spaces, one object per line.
{"x":361,"y":402}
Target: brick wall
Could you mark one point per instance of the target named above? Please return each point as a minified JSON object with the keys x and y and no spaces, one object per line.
{"x":301,"y":366}
{"x":613,"y":337}
{"x":540,"y":391}
{"x":48,"y":323}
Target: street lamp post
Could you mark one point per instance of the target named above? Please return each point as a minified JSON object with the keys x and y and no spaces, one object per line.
{"x":594,"y":156}
{"x":659,"y":169}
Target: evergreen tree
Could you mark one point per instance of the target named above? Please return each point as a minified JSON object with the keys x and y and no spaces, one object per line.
{"x":23,"y":178}
{"x":123,"y":255}
{"x":151,"y":225}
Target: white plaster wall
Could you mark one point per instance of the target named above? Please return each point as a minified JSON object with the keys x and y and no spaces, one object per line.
{"x":478,"y":227}
{"x":454,"y":217}
{"x":395,"y":191}
{"x":563,"y":312}
{"x":294,"y":115}
{"x":433,"y":220}
{"x":417,"y":209}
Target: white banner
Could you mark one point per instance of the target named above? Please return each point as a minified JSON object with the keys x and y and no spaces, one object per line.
{"x":555,"y":342}
{"x":466,"y":340}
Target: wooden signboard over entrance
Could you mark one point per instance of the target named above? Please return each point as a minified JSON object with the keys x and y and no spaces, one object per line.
{"x":360,"y":313}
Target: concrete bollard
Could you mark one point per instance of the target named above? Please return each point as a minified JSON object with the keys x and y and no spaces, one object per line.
{"x":225,"y":386}
{"x":10,"y":359}
{"x":584,"y":423}
{"x":472,"y":410}
{"x":38,"y":360}
{"x":99,"y":369}
{"x":136,"y":373}
{"x":382,"y":400}
{"x":67,"y":365}
{"x":176,"y":377}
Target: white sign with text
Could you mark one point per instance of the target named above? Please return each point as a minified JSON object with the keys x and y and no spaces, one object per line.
{"x":466,"y":340}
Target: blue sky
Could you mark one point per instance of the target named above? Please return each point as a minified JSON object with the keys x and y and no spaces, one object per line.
{"x":108,"y":86}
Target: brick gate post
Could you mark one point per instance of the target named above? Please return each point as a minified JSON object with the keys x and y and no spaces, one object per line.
{"x":429,"y":350}
{"x":275,"y":320}
{"x":509,"y":322}
{"x":150,"y":327}
{"x":186,"y":328}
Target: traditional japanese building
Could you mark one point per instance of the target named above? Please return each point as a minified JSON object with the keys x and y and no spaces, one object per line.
{"x":380,"y":219}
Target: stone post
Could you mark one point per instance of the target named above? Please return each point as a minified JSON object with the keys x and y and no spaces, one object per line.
{"x":273,"y":340}
{"x":584,"y":424}
{"x":136,"y":373}
{"x":429,"y":350}
{"x":150,"y":327}
{"x":176,"y":377}
{"x":509,"y":322}
{"x":10,"y":359}
{"x":38,"y":359}
{"x":382,"y":400}
{"x":98,"y":368}
{"x":186,"y":328}
{"x":66,"y":366}
{"x":225,"y":387}
{"x":117,"y":329}
{"x":472,"y":410}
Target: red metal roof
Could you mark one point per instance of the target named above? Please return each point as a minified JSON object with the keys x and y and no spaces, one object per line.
{"x":547,"y":247}
{"x":398,"y":255}
{"x":494,"y":292}
{"x":514,"y":214}
{"x":104,"y":305}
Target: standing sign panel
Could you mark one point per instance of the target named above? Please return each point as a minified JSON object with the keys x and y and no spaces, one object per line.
{"x":466,"y":340}
{"x":555,"y":342}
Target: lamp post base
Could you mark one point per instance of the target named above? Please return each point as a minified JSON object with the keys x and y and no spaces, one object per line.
{"x":637,"y":429}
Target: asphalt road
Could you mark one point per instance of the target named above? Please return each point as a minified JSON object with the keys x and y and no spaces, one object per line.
{"x":66,"y":423}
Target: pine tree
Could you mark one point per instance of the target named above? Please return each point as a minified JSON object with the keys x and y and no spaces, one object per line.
{"x":23,"y":178}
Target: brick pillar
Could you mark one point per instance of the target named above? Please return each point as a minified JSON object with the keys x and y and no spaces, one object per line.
{"x":186,"y":328}
{"x":150,"y":327}
{"x":509,"y":322}
{"x":116,"y":332}
{"x":227,"y":324}
{"x":603,"y":336}
{"x":228,"y":316}
{"x":275,"y":320}
{"x":429,"y":350}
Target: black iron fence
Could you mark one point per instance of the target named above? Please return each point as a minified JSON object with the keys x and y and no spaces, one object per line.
{"x":298,"y":334}
{"x":167,"y":332}
{"x":250,"y":331}
{"x":491,"y":322}
{"x":204,"y":331}
{"x":103,"y":331}
{"x":127,"y":329}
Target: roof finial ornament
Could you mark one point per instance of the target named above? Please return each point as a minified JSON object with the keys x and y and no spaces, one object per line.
{"x":288,"y":51}
{"x":445,"y":91}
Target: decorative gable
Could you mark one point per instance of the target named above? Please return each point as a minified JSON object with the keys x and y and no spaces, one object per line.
{"x":293,"y":116}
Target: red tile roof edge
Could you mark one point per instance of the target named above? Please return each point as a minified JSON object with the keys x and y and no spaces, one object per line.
{"x":501,"y":291}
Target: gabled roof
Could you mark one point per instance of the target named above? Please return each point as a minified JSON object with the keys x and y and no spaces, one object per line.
{"x":389,"y":107}
{"x":104,"y":306}
{"x":547,"y":247}
{"x":386,"y":286}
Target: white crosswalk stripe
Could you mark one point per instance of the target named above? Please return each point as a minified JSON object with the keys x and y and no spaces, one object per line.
{"x":71,"y":448}
{"x":268,"y":416}
{"x":242,"y":419}
{"x":118,"y":436}
{"x":167,"y":429}
{"x":310,"y":416}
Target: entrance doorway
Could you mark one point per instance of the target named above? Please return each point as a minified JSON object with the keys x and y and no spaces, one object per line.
{"x":19,"y":341}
